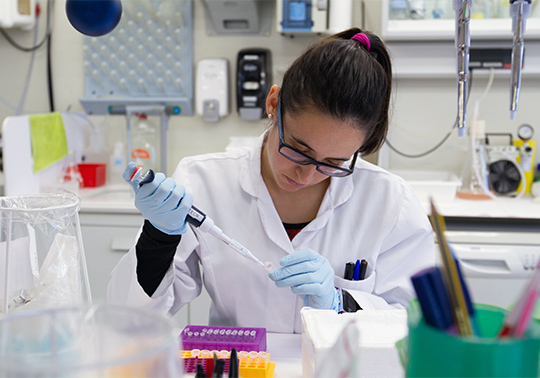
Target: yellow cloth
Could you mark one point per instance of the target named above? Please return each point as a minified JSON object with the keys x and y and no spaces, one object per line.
{"x":48,"y":137}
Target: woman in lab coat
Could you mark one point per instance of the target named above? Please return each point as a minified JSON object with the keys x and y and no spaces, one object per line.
{"x":301,"y":199}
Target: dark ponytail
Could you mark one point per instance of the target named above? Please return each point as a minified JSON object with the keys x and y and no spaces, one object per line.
{"x":338,"y":76}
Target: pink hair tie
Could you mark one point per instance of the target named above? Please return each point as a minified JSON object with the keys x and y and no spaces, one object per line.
{"x":363,"y":39}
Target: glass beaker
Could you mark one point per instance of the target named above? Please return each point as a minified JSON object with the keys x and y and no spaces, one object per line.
{"x":42,"y":260}
{"x":474,"y":176}
{"x":89,"y":341}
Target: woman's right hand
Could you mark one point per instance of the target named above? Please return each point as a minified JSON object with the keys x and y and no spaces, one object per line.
{"x":162,"y":201}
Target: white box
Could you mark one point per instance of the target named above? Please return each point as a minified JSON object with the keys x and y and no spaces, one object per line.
{"x":441,"y":185}
{"x":373,"y":351}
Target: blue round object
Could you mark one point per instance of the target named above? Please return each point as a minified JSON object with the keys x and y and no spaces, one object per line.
{"x":94,"y":18}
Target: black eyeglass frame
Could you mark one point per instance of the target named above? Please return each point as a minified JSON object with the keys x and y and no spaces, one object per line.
{"x":339,"y":171}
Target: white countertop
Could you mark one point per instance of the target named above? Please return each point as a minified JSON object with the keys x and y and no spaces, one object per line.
{"x":119,"y":198}
{"x":525,"y":207}
{"x":108,"y":199}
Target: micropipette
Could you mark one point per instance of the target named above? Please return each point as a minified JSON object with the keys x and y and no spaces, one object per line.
{"x":204,"y":223}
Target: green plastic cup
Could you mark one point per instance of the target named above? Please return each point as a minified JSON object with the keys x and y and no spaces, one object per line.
{"x":435,"y":353}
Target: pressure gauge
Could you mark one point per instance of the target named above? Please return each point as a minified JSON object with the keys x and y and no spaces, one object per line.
{"x":525,"y":132}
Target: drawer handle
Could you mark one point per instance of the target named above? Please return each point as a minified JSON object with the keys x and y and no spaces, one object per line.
{"x":121,"y":244}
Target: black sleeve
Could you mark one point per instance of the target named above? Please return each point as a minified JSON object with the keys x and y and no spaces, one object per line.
{"x":349,"y":304}
{"x":155,"y":252}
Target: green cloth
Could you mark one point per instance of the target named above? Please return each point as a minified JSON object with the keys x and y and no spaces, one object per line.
{"x":48,"y":137}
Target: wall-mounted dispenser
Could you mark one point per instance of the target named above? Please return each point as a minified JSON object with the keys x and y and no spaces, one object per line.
{"x":212,"y":89}
{"x":313,"y":16}
{"x":253,"y":78}
{"x":17,"y":14}
{"x":238,"y":17}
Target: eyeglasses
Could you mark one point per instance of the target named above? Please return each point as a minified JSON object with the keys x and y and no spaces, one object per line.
{"x":298,"y":157}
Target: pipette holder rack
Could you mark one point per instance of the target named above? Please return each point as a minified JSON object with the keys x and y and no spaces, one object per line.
{"x":146,"y":60}
{"x":224,"y":338}
{"x":250,"y":365}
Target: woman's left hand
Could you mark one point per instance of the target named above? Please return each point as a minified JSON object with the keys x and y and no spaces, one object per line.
{"x":310,"y":276}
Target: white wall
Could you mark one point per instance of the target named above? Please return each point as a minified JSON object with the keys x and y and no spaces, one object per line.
{"x":424,"y":104}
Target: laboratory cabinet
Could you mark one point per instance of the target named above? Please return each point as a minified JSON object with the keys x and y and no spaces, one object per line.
{"x":498,"y":255}
{"x":417,"y":20}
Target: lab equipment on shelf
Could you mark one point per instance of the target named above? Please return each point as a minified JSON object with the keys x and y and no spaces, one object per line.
{"x":224,"y":338}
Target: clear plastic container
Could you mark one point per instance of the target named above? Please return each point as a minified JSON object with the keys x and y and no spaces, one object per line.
{"x":117,"y":164}
{"x":144,"y":140}
{"x":89,"y":341}
{"x":42,"y":262}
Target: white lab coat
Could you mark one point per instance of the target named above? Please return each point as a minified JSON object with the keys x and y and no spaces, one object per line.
{"x":371,"y":215}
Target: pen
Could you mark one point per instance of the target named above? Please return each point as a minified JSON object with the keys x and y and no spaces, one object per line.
{"x":349,"y":271}
{"x":219,"y":367}
{"x":363,"y":268}
{"x":357,"y":270}
{"x":233,"y":364}
{"x":200,"y":372}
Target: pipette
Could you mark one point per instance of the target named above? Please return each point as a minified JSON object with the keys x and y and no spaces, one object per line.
{"x":204,"y":223}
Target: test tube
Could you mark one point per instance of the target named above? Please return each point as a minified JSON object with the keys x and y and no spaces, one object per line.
{"x":263,"y":358}
{"x":243,"y":358}
{"x":252,"y":358}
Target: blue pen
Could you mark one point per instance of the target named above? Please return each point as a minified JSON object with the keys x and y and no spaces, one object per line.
{"x":356,"y":276}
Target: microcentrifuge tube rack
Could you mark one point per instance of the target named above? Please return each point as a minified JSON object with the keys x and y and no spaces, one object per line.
{"x":250,"y":364}
{"x":146,"y":59}
{"x":223,"y":338}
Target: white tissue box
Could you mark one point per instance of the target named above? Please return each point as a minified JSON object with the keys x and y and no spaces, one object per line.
{"x":374,"y":350}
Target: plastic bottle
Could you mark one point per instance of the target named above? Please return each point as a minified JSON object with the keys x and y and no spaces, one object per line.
{"x":96,"y":152}
{"x":398,"y":9}
{"x":417,"y":9}
{"x":117,"y":164}
{"x":144,"y":137}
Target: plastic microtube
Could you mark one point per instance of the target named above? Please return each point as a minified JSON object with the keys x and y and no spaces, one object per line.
{"x":252,"y":358}
{"x":269,"y":267}
{"x":263,"y":358}
{"x":195,"y":334}
{"x":240,"y":333}
{"x":222,"y":332}
{"x":253,"y":333}
{"x":195,"y":353}
{"x":234,"y":333}
{"x":190,"y":334}
{"x":224,"y":354}
{"x":243,"y":357}
{"x":205,"y":353}
{"x":228,"y":332}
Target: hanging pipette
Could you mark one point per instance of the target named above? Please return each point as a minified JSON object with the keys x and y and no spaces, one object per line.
{"x":204,"y":223}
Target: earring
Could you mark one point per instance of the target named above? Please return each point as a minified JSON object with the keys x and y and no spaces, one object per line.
{"x":270,"y":115}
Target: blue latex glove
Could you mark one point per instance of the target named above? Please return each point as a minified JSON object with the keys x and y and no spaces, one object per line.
{"x":311,"y":277}
{"x":162,"y":201}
